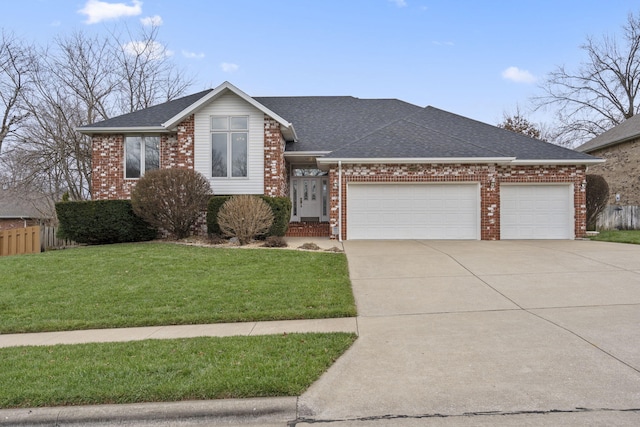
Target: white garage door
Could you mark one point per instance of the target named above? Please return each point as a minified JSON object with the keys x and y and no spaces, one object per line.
{"x":413,"y":211}
{"x":536,"y":212}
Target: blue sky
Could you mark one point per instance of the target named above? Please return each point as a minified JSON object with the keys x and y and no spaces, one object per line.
{"x":474,"y":58}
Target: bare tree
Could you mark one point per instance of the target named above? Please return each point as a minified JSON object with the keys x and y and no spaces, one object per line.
{"x":519,"y":123}
{"x":602,"y":92}
{"x":146,"y":73}
{"x":81,"y":80}
{"x":17,"y":61}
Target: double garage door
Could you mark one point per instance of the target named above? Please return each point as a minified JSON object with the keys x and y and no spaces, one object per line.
{"x":452,"y":211}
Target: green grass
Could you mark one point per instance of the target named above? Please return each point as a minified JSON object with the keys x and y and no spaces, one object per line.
{"x":619,"y":236}
{"x":166,"y":370}
{"x":147,"y":284}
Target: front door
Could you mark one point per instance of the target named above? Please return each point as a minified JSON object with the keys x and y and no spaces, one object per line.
{"x":307,"y":194}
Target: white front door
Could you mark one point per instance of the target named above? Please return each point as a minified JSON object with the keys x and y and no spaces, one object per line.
{"x":308,"y":194}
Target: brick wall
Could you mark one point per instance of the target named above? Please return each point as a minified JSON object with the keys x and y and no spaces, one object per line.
{"x":275,"y":171}
{"x":489,"y":177}
{"x":107,"y":179}
{"x":621,"y":171}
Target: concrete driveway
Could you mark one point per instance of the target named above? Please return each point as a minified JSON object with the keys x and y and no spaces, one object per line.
{"x":488,"y":333}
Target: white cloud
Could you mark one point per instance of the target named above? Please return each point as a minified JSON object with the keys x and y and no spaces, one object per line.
{"x":228,"y":67}
{"x":399,"y":3}
{"x":192,"y":55}
{"x":152,"y":21}
{"x":517,"y":75}
{"x":56,"y":24}
{"x":150,"y":49}
{"x":98,"y":11}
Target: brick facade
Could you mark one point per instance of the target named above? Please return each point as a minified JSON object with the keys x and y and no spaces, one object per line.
{"x":621,"y":171}
{"x":308,"y":229}
{"x":489,"y":176}
{"x":276,"y":179}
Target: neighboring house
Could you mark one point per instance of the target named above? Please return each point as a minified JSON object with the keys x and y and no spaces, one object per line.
{"x":620,"y":146}
{"x":353,"y":168}
{"x":18,"y":210}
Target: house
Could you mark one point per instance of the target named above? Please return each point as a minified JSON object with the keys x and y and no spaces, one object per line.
{"x":353,"y":168}
{"x":19,"y":209}
{"x":620,"y":146}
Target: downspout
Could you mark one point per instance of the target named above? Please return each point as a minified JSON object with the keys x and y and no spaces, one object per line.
{"x":340,"y":201}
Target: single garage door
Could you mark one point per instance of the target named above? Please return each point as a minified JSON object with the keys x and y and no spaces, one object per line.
{"x":536,"y":212}
{"x":413,"y":211}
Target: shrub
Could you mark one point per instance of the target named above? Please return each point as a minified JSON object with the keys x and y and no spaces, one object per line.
{"x":597,"y":198}
{"x":280,"y":207}
{"x":215,"y":203}
{"x":275,"y":242}
{"x":171,"y":199}
{"x":245,"y":217}
{"x":100,"y":222}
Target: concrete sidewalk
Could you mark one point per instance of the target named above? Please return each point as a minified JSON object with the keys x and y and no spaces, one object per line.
{"x":345,"y":324}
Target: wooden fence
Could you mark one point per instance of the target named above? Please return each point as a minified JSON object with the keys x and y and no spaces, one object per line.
{"x":49,"y":239}
{"x":18,"y":241}
{"x":619,"y":218}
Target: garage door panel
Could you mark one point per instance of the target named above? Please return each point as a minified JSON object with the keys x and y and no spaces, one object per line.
{"x":413,"y":211}
{"x":536,"y":212}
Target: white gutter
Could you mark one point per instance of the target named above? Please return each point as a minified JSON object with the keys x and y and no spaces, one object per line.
{"x":340,"y":201}
{"x":419,"y":160}
{"x":558,"y":162}
{"x":108,"y":130}
{"x":295,"y":154}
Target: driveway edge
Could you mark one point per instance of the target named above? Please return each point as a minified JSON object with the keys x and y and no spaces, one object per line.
{"x":223,"y":411}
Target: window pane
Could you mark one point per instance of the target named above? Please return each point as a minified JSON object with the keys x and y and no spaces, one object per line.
{"x":239,"y":154}
{"x":219,"y":123}
{"x":313,"y":190}
{"x":324,"y":197}
{"x":295,"y":197}
{"x":132,"y":149}
{"x":239,"y":123}
{"x":219,"y":155}
{"x":151,"y":153}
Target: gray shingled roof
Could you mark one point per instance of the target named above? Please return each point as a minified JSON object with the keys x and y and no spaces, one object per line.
{"x":350,"y":127}
{"x":150,"y":117}
{"x":625,"y":131}
{"x":15,"y":204}
{"x":325,"y":123}
{"x":434,"y":133}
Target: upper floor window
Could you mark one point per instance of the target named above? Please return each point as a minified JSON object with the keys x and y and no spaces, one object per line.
{"x":142,"y":153}
{"x":229,"y":136}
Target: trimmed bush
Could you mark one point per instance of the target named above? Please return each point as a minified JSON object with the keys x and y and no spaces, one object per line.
{"x":280,"y":206}
{"x":245,"y":217}
{"x":215,"y":203}
{"x":171,"y":199}
{"x":100,"y":222}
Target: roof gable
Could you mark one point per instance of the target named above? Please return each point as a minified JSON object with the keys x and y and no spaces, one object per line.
{"x":625,"y":131}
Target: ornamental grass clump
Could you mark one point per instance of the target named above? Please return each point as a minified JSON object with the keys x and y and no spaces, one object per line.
{"x":245,"y":217}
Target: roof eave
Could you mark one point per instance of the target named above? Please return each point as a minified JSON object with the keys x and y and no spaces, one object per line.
{"x":608,"y":144}
{"x":419,"y":160}
{"x":228,"y":87}
{"x":115,"y":130}
{"x":593,"y":161}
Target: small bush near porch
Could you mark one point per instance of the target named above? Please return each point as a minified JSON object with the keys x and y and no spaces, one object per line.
{"x":148,"y":284}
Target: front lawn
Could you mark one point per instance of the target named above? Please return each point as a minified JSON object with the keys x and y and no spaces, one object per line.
{"x":146,"y":284}
{"x":166,"y":370}
{"x":619,"y":236}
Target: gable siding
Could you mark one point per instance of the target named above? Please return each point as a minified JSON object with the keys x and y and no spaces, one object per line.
{"x":231,"y":105}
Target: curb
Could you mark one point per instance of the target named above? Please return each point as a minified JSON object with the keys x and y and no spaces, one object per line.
{"x":224,"y":411}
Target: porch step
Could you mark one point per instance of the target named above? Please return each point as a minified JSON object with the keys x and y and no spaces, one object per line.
{"x":308,"y":229}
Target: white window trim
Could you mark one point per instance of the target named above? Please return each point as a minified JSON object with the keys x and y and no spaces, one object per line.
{"x":142,"y":154}
{"x":229,"y":131}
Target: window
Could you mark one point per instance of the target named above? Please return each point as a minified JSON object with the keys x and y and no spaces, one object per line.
{"x":229,"y":136}
{"x":142,"y":153}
